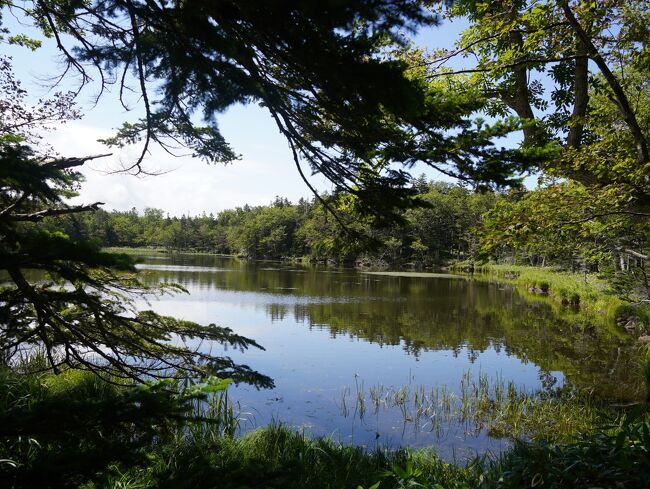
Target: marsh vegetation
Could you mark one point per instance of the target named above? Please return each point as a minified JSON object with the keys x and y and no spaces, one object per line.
{"x":531,"y":369}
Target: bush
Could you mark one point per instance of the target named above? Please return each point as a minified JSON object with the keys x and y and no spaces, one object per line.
{"x":604,"y":459}
{"x":65,"y":430}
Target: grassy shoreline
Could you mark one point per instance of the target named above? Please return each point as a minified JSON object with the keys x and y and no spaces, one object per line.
{"x":586,"y":292}
{"x":276,"y":457}
{"x":158,"y":250}
{"x":151,"y":448}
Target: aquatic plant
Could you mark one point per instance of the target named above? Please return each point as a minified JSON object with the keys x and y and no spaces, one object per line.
{"x":495,"y":407}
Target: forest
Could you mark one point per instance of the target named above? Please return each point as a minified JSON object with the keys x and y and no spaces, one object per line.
{"x":449,"y":225}
{"x":100,"y":389}
{"x":445,"y":227}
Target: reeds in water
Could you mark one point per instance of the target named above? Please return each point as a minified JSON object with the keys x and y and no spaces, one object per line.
{"x":480,"y":404}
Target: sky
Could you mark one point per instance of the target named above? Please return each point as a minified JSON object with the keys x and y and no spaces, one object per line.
{"x":185,"y":185}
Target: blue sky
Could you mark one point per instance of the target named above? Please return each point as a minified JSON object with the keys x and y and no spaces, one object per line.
{"x":187,"y":185}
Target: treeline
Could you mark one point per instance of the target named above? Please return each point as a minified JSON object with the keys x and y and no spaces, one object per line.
{"x":443,"y":228}
{"x":548,"y":226}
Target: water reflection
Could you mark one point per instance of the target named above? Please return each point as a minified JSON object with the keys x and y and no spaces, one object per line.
{"x":324,"y":330}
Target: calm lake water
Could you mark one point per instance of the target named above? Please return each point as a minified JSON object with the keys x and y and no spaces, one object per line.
{"x":348,"y":351}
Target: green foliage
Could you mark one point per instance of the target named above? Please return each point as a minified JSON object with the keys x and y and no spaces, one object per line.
{"x":440,"y":228}
{"x":572,"y":227}
{"x":277,"y":457}
{"x":640,"y":312}
{"x":409,"y":476}
{"x":60,"y":431}
{"x":604,"y":459}
{"x":64,"y":295}
{"x":584,"y":93}
{"x":348,"y":107}
{"x":76,"y":428}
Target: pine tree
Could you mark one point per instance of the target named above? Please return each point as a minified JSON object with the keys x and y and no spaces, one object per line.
{"x":67,"y":298}
{"x":348,"y":109}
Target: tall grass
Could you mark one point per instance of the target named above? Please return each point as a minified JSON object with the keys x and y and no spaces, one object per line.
{"x":496,"y":407}
{"x":217,"y":416}
{"x":588,"y":292}
{"x":74,"y":430}
{"x":275,"y":457}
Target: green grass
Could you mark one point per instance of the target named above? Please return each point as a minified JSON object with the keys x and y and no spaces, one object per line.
{"x":156,"y":250}
{"x":618,"y":456}
{"x":586,"y":291}
{"x":74,"y":430}
{"x":275,"y":457}
{"x":496,"y":407}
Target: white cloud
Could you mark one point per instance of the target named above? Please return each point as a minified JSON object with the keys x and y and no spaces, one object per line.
{"x":187,"y":185}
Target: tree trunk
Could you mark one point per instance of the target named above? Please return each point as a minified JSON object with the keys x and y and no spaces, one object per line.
{"x":519,"y":100}
{"x":581,"y":96}
{"x":621,"y":99}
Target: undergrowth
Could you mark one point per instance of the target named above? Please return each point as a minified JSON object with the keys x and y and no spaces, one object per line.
{"x":75,"y":430}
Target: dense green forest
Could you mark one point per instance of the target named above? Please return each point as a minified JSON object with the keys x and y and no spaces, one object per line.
{"x":96,"y":390}
{"x":445,"y":227}
{"x":448,"y":225}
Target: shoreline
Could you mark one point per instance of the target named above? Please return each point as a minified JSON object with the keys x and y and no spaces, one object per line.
{"x":568,"y":292}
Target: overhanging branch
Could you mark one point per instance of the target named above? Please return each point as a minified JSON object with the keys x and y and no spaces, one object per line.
{"x":37,"y":216}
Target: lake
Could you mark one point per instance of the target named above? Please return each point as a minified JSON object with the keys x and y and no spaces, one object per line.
{"x":377,"y":359}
